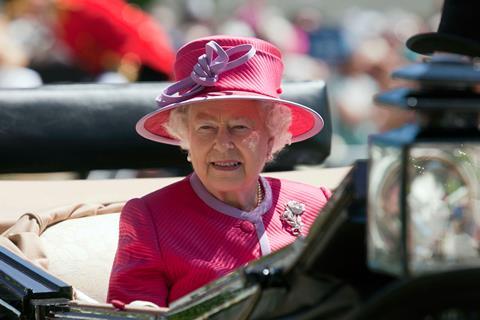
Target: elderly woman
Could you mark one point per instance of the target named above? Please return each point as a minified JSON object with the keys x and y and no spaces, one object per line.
{"x":226,"y":112}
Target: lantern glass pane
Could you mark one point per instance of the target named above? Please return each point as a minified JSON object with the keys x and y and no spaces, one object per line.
{"x":442,"y":201}
{"x":384,"y":214}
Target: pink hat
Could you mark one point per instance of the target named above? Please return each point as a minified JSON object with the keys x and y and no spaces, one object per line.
{"x":226,"y":68}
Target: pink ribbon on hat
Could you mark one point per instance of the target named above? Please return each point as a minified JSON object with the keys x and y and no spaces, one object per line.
{"x":205,"y":73}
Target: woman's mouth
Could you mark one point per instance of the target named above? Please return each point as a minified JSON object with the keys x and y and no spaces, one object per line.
{"x":226,"y":165}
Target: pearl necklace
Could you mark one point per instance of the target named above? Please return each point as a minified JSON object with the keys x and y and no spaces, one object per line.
{"x":259,"y":194}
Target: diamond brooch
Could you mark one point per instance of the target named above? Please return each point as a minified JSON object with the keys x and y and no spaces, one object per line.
{"x":292,"y":216}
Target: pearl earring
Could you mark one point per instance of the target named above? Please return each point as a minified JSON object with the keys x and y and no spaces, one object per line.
{"x":189,"y":159}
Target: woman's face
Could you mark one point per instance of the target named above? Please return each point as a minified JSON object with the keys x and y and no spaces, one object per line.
{"x":229,"y":144}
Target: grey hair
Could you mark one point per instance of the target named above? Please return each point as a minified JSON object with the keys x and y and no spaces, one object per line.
{"x":278,"y":119}
{"x":176,"y":126}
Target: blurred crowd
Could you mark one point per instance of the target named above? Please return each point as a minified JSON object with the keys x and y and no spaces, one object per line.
{"x":115,"y":41}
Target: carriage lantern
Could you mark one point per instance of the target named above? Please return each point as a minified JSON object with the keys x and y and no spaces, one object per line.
{"x":423,"y":181}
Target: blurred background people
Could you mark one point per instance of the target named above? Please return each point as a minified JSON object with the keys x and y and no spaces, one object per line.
{"x":14,"y":61}
{"x":89,"y":40}
{"x":353,"y":48}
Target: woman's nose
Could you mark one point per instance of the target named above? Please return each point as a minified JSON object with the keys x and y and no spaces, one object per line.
{"x":223,"y":140}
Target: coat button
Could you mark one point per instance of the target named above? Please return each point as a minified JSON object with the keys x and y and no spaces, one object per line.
{"x":247,"y":226}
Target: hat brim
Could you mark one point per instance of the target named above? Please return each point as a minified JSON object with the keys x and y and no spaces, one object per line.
{"x":306,"y":122}
{"x":428,"y":43}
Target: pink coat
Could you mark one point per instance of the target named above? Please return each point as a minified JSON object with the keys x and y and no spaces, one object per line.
{"x":179,"y":238}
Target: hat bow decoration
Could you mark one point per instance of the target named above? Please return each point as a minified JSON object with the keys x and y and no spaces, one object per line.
{"x":205,"y":73}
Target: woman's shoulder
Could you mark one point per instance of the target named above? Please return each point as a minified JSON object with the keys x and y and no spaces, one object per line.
{"x":171,"y":190}
{"x":286,"y":186}
{"x":164,"y":195}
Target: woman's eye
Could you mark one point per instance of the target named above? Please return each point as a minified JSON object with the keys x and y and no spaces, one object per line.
{"x":240,"y":127}
{"x":205,"y":128}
